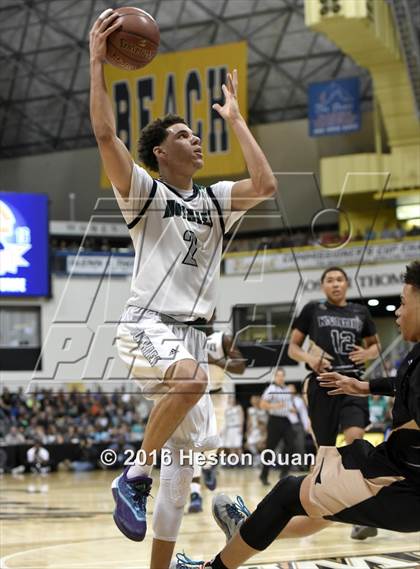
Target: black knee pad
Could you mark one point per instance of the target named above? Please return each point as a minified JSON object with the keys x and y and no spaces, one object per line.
{"x":273,"y":514}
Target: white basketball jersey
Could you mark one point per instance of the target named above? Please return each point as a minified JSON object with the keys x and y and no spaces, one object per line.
{"x":214,"y":345}
{"x":252,"y":419}
{"x":255,"y":416}
{"x":178,"y":238}
{"x":234,"y":417}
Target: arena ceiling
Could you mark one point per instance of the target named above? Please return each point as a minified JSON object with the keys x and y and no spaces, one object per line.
{"x":44,"y":61}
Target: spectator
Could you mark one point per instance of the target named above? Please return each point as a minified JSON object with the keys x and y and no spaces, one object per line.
{"x":87,"y":459}
{"x":414,"y":231}
{"x":38,"y":458}
{"x":379,"y":413}
{"x":124,"y":452}
{"x":14,"y":437}
{"x":370,"y":234}
{"x":399,"y":231}
{"x":387,"y":232}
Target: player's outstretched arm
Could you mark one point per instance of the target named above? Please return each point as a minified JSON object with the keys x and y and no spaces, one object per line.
{"x":263,"y":184}
{"x":117,"y":161}
{"x":342,"y":385}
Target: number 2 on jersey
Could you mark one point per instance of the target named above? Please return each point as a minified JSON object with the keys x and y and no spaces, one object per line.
{"x":191,"y":238}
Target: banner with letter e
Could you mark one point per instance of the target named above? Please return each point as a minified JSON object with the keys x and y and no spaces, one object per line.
{"x":187,"y":83}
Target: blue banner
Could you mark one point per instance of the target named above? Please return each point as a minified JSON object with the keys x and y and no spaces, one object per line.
{"x":334,"y":107}
{"x":24,"y":267}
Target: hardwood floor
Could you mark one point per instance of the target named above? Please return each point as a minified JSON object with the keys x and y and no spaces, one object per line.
{"x":71,"y":527}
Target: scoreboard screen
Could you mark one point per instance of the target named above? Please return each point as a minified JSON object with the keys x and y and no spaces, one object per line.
{"x":24,"y":251}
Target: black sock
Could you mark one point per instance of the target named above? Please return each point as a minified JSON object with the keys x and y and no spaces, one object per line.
{"x":273,"y":514}
{"x":217,"y":563}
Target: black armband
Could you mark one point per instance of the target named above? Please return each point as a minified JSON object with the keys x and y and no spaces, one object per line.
{"x":382,"y":386}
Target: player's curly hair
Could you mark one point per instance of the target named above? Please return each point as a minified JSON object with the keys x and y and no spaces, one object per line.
{"x":412,"y":275}
{"x":153,"y":135}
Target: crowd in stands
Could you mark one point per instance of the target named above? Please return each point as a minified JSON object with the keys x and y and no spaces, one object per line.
{"x":301,"y":238}
{"x":92,"y":245}
{"x":117,"y":420}
{"x":56,"y":418}
{"x":280,"y":240}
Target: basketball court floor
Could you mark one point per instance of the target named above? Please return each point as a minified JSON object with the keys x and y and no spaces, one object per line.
{"x":71,"y":527}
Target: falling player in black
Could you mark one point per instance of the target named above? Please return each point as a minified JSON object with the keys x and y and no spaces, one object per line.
{"x":343,"y":337}
{"x":357,"y":483}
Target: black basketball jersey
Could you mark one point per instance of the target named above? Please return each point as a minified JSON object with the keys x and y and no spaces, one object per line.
{"x":336,"y":329}
{"x":403,"y":446}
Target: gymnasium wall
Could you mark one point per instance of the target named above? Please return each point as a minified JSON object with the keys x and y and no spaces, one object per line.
{"x":290,"y":150}
{"x":286,"y":144}
{"x":58,"y":174}
{"x":81,"y":306}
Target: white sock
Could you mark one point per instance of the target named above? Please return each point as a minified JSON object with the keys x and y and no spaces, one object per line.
{"x":195,"y":487}
{"x":137,"y":470}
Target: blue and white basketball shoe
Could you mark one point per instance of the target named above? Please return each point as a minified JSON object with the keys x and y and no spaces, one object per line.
{"x":184,"y":562}
{"x":130,"y":495}
{"x":229,"y":515}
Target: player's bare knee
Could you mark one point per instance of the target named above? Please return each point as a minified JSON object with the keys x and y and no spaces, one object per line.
{"x":190,"y":387}
{"x":190,"y":391}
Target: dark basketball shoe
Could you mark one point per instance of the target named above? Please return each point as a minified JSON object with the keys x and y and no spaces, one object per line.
{"x":196,"y":503}
{"x":363,"y":532}
{"x":210,"y":477}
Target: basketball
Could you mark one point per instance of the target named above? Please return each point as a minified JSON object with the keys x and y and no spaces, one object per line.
{"x":136,"y":42}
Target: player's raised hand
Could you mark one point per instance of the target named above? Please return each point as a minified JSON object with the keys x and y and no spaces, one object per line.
{"x":342,"y":385}
{"x":107,"y":22}
{"x":230,"y":110}
{"x":359,"y":355}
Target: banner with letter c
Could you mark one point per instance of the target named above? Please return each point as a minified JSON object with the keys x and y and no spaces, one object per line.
{"x":187,"y":83}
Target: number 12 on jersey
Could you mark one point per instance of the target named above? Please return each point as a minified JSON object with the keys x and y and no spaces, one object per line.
{"x":343,"y":341}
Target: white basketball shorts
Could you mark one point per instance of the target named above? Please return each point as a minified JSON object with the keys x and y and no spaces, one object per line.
{"x":149,"y":343}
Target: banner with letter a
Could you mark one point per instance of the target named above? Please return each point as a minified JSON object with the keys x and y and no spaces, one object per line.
{"x":187,"y":83}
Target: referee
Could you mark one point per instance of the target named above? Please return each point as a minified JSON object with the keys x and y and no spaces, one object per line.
{"x":343,"y":337}
{"x":278,"y":401}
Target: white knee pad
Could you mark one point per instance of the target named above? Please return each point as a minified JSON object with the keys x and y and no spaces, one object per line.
{"x":174,"y":489}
